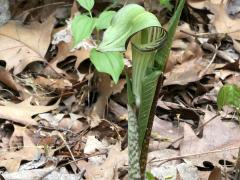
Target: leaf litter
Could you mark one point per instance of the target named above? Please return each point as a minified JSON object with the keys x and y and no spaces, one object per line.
{"x":62,"y":119}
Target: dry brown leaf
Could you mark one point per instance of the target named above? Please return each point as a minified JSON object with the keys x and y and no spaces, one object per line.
{"x":22,"y":112}
{"x":53,"y":84}
{"x":235,"y":79}
{"x":64,"y":51}
{"x":6,"y":78}
{"x":119,"y":111}
{"x":106,"y":87}
{"x":73,"y":124}
{"x":224,"y":24}
{"x":215,"y":174}
{"x":201,"y":4}
{"x":190,"y":71}
{"x":11,"y":159}
{"x":21,"y":45}
{"x":109,"y":169}
{"x":163,"y":134}
{"x":216,"y":136}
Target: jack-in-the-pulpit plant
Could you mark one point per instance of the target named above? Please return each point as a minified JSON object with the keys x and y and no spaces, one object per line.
{"x":150,"y":49}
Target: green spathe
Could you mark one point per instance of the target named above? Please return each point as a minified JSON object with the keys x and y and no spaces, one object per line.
{"x":129,"y":20}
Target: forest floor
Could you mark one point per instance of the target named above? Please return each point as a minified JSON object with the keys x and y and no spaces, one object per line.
{"x":61,"y":119}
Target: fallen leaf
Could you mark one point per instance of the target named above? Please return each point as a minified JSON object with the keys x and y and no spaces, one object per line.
{"x":119,"y":111}
{"x":106,"y":87}
{"x":7,"y":79}
{"x":215,"y":174}
{"x":109,"y":169}
{"x":11,"y":159}
{"x":163,"y":134}
{"x":92,"y":145}
{"x":72,"y":124}
{"x":48,"y":173}
{"x":181,"y":171}
{"x":216,"y":136}
{"x":22,"y":112}
{"x":64,"y":51}
{"x":223,"y":23}
{"x":21,"y":45}
{"x":53,"y":84}
{"x":190,"y":71}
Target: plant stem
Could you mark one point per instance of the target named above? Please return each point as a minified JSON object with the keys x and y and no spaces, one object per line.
{"x":90,"y":13}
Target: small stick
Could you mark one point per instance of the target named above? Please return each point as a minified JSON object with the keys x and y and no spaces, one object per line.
{"x":205,"y":69}
{"x":43,"y":6}
{"x":189,"y":155}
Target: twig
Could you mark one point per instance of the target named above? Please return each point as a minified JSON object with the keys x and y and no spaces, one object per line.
{"x":189,"y":155}
{"x":43,"y":6}
{"x":115,"y":126}
{"x":61,"y":137}
{"x":208,"y":35}
{"x":220,"y":54}
{"x":205,"y":69}
{"x":203,"y":35}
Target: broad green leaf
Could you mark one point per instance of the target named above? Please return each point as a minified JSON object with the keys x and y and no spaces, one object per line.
{"x":108,"y":62}
{"x":148,"y":91}
{"x":163,"y":53}
{"x":86,"y":4}
{"x":229,"y":95}
{"x":128,"y":20}
{"x":104,"y":19}
{"x":82,"y":27}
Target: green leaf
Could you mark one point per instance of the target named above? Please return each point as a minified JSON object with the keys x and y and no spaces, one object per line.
{"x":108,"y":62}
{"x":229,"y":95}
{"x":128,"y":20}
{"x":163,"y":53}
{"x":82,"y":27}
{"x":86,"y":4}
{"x":167,"y":4}
{"x":148,"y":91}
{"x":104,"y":19}
{"x":150,"y":176}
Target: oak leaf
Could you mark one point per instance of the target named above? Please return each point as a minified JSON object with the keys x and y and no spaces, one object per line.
{"x":22,"y":112}
{"x":24,"y":44}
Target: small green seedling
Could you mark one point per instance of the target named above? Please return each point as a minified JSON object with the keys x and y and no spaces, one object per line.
{"x":229,"y":95}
